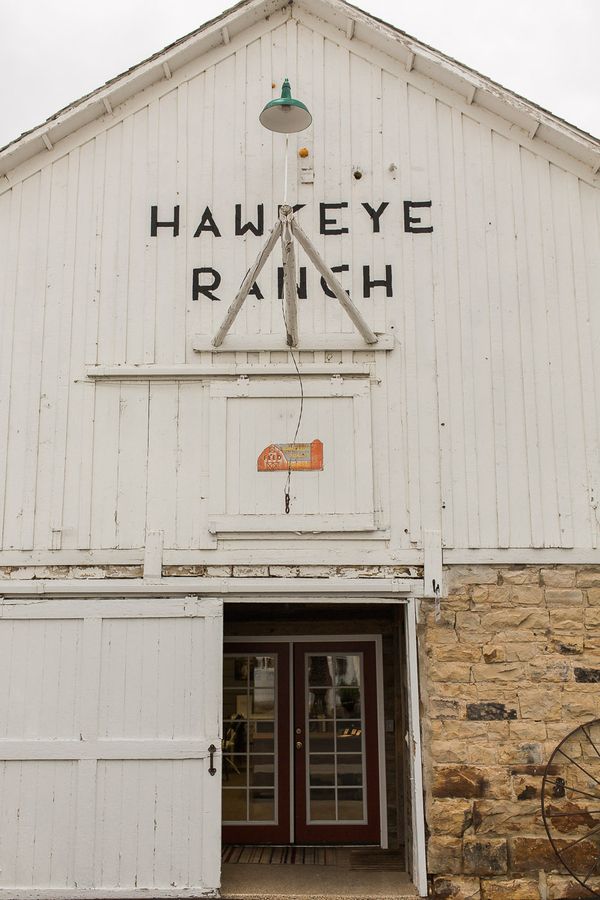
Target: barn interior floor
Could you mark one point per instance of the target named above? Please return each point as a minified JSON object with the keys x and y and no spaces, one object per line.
{"x":259,"y":882}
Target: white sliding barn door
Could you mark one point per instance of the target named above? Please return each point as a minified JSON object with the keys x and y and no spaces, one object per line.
{"x":108,"y":708}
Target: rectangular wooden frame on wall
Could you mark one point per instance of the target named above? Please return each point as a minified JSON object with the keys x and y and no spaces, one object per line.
{"x":251,"y":414}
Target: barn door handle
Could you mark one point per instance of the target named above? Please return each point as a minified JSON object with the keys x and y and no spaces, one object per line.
{"x":211,"y":769}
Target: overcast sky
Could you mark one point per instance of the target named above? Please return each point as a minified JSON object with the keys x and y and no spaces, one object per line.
{"x":54,"y":52}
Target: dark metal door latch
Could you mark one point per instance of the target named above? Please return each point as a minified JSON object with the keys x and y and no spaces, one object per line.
{"x":211,"y":769}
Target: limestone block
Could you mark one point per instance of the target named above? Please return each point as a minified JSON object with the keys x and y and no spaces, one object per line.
{"x":283,"y":571}
{"x":540,"y":703}
{"x":480,"y":595}
{"x":454,"y":730}
{"x":563,"y":887}
{"x":87,"y":572}
{"x":316,"y":571}
{"x":22,"y":573}
{"x":441,"y":635}
{"x":449,"y":816}
{"x":360,"y":571}
{"x":468,"y":621}
{"x":588,"y":576}
{"x":567,"y":619}
{"x":512,"y":673}
{"x":527,"y":595}
{"x":494,"y":653}
{"x":516,"y":618}
{"x":568,"y":645}
{"x":63,"y":571}
{"x":456,"y":888}
{"x":527,"y":731}
{"x":530,"y":854}
{"x":489,"y":711}
{"x":483,"y":754}
{"x":519,"y":575}
{"x":439,"y":707}
{"x":119,"y":571}
{"x":558,"y":576}
{"x":444,"y":855}
{"x":219,"y":571}
{"x":591,"y":617}
{"x":523,"y":651}
{"x":455,"y":653}
{"x":526,"y":788}
{"x":193,"y":571}
{"x":496,"y":595}
{"x":485,"y":857}
{"x":578,"y":705}
{"x":563,"y":597}
{"x":460,"y":575}
{"x":593,"y":596}
{"x":449,"y":751}
{"x":509,"y":889}
{"x":470,"y":782}
{"x":548,"y":669}
{"x":450,"y":672}
{"x":250,"y":571}
{"x":504,"y":817}
{"x":527,"y":753}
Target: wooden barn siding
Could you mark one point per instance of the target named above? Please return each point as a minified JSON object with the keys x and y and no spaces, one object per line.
{"x":493,"y":394}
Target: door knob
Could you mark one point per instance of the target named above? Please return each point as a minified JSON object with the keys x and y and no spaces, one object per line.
{"x":298,"y":745}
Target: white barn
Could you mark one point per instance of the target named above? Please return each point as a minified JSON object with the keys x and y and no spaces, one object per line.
{"x":186,"y":665}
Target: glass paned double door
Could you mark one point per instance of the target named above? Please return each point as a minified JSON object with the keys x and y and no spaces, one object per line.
{"x":300,"y":753}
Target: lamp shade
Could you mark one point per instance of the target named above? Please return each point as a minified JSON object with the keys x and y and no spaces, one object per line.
{"x":285,"y":114}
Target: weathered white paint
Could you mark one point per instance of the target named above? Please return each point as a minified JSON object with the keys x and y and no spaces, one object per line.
{"x":107,"y":710}
{"x":485,"y":414}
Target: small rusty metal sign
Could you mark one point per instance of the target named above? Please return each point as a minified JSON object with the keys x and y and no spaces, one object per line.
{"x":291,"y":457}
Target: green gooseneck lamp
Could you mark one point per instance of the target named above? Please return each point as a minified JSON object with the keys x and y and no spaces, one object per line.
{"x":285,"y":115}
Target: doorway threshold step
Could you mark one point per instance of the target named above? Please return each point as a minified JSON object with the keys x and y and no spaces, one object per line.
{"x":260,"y":882}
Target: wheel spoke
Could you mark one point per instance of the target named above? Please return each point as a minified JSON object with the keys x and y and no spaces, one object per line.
{"x":568,"y":787}
{"x":585,"y":731}
{"x":575,"y":763}
{"x":592,"y":870}
{"x":579,"y":840}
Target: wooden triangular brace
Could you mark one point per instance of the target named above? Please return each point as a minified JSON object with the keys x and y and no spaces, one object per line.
{"x":287,"y":228}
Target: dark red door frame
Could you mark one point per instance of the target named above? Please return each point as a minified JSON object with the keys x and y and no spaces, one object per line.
{"x":331,"y":833}
{"x":253,"y":833}
{"x":305,"y":833}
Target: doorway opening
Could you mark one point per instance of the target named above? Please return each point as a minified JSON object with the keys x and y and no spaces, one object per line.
{"x":314,"y":725}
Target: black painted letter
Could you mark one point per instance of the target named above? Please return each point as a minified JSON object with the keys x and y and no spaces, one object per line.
{"x":384,"y":282}
{"x":207,"y":223}
{"x":376,"y":214}
{"x":258,"y":229}
{"x":206,"y":289}
{"x":324,"y":221}
{"x":410,"y":222}
{"x":325,"y":286}
{"x":155,"y":224}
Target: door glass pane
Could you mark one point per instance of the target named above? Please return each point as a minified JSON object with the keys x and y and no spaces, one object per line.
{"x":336,"y":738}
{"x":249,"y":743}
{"x":322,"y":804}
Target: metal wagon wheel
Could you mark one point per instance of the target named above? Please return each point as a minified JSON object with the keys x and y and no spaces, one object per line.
{"x":571,"y":804}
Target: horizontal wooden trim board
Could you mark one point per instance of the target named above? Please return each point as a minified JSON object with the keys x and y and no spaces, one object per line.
{"x":207,"y":587}
{"x":174,"y":373}
{"x":107,"y":894}
{"x":203,"y":343}
{"x":314,"y":523}
{"x":107,"y":748}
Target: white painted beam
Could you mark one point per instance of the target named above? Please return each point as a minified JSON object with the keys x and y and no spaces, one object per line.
{"x":166,"y":587}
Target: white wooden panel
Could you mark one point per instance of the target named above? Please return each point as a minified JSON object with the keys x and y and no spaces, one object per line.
{"x":488,"y":406}
{"x":83,"y":807}
{"x":336,"y":412}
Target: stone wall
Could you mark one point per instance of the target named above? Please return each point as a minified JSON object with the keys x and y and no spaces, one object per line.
{"x":509,"y":665}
